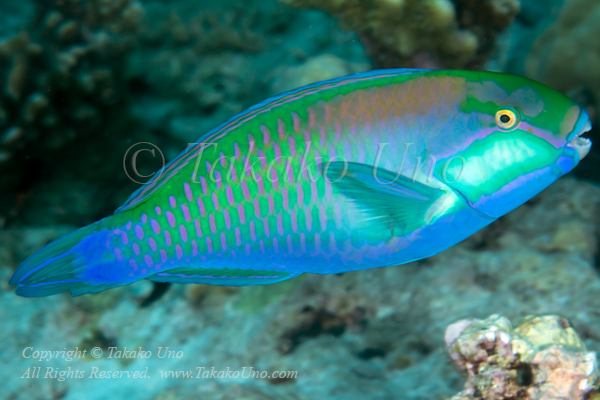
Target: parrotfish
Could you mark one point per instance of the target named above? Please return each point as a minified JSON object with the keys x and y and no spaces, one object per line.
{"x":369,"y":170}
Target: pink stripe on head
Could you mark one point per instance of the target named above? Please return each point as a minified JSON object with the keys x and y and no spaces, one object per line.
{"x":238,"y":237}
{"x":167,"y":238}
{"x":152,"y":244}
{"x":172,"y":201}
{"x":128,"y":225}
{"x":227,"y":219}
{"x":183,"y":233}
{"x":144,"y":218}
{"x":213,"y":225}
{"x":308,"y":218}
{"x":261,"y":245}
{"x":139,"y":232}
{"x":188,"y":191}
{"x":252,"y":231}
{"x":155,"y":226}
{"x":163,"y":255}
{"x":136,"y":249}
{"x":222,"y":160}
{"x":158,"y":210}
{"x":275,"y":245}
{"x":266,"y":226}
{"x":186,"y":213}
{"x":209,"y":248}
{"x":194,"y":248}
{"x":248,"y":249}
{"x":179,"y":252}
{"x":229,"y":193}
{"x":133,"y":264}
{"x":266,"y":134}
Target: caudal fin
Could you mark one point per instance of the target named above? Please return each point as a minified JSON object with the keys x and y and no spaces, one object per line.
{"x":58,"y":267}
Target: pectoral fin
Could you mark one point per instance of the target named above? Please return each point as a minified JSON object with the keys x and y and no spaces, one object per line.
{"x":386,"y":199}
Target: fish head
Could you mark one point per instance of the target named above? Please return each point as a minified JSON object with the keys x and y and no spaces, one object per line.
{"x":519,"y":137}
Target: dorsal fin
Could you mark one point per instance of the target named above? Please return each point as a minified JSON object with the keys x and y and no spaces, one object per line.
{"x":164,"y":174}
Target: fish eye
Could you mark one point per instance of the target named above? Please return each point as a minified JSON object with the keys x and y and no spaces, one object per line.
{"x":508,"y":118}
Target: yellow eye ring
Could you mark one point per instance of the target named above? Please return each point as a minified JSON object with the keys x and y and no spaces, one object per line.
{"x":508,"y":118}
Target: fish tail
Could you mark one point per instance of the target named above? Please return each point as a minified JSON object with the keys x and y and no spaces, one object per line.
{"x":63,"y":265}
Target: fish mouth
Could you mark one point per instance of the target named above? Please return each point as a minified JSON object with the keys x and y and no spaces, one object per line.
{"x":581,"y":144}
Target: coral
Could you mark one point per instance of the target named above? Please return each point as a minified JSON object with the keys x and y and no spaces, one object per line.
{"x":541,"y":358}
{"x":567,"y":55}
{"x":408,"y":33}
{"x":61,"y":81}
{"x":316,"y":69}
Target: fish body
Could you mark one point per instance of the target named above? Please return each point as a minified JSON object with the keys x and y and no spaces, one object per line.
{"x":370,"y":170}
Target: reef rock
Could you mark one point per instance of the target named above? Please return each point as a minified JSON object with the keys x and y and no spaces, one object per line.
{"x":542,"y":358}
{"x":423,"y":33}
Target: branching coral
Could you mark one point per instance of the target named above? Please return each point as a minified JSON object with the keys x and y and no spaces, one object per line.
{"x":542,"y":358}
{"x":422,"y":32}
{"x":61,"y":78}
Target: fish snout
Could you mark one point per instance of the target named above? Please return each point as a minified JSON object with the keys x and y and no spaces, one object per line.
{"x":576,"y":141}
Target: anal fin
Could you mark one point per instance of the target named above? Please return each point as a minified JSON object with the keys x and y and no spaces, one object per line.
{"x":222,"y":276}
